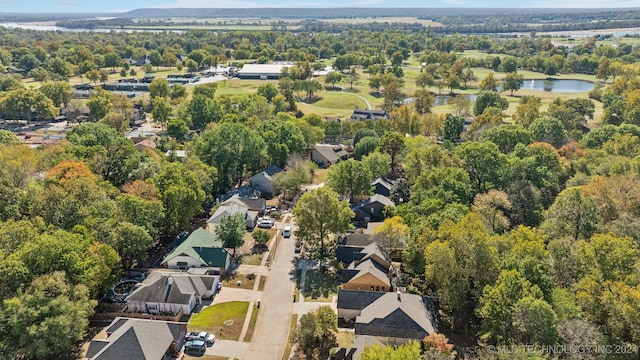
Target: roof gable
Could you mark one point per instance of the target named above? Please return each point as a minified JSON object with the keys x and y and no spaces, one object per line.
{"x":171,"y":288}
{"x":194,"y":246}
{"x":357,"y":299}
{"x":393,"y":311}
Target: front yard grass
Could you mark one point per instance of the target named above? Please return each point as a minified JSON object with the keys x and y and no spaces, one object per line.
{"x":292,"y":329}
{"x":345,"y":339}
{"x":226,"y":316}
{"x":247,"y":281}
{"x":319,"y":286}
{"x":252,"y":324}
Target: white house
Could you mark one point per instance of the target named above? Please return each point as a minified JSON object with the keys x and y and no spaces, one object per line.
{"x":201,"y":249}
{"x":170,"y":292}
{"x":233,"y":205}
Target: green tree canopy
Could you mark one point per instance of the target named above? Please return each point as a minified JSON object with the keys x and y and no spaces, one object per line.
{"x":319,"y":213}
{"x":350,"y":178}
{"x":231,"y":231}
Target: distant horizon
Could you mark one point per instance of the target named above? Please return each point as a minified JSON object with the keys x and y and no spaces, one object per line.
{"x":121,"y":6}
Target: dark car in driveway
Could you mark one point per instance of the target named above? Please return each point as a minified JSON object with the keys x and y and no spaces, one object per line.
{"x":195,"y":347}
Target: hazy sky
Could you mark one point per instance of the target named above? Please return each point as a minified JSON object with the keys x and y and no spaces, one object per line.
{"x":124,"y":5}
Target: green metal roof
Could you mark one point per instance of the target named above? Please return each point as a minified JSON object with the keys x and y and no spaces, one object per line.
{"x":202,"y":246}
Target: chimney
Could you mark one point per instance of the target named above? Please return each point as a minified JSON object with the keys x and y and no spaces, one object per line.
{"x":398,"y":292}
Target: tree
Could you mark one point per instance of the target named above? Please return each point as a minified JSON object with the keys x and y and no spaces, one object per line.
{"x":362,"y":133}
{"x":378,"y":163}
{"x":169,"y":58}
{"x":177,"y":129}
{"x":208,"y":90}
{"x":572,"y":214}
{"x":400,"y":191}
{"x":268,"y":91}
{"x":422,"y":101}
{"x":8,"y":138}
{"x":47,"y":320}
{"x":319,"y":213}
{"x":410,"y":350}
{"x":535,"y":322}
{"x":453,"y":126}
{"x":365,"y":146}
{"x":484,"y":162}
{"x":489,"y":99}
{"x":392,"y":234}
{"x":352,"y":78}
{"x":499,"y":306}
{"x":161,"y":111}
{"x":333,"y":78}
{"x":527,"y":110}
{"x":316,"y":332}
{"x":425,"y":80}
{"x":232,"y":148}
{"x":181,"y":194}
{"x":393,"y":95}
{"x":392,"y":143}
{"x":100,"y":103}
{"x":21,"y":103}
{"x":58,"y":91}
{"x":112,"y":60}
{"x":549,"y":130}
{"x":203,"y":110}
{"x":260,"y":237}
{"x":508,"y":136}
{"x":513,"y":82}
{"x":489,"y":83}
{"x":155,"y":59}
{"x":231,"y":231}
{"x":350,"y":178}
{"x":132,"y":243}
{"x":491,"y":207}
{"x":159,"y":88}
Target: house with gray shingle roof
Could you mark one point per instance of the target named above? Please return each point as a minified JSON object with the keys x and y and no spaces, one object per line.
{"x":201,"y":249}
{"x":171,"y":292}
{"x":392,"y":318}
{"x":139,"y":339}
{"x":371,"y":209}
{"x":263,"y":181}
{"x":325,"y":155}
{"x":235,"y":205}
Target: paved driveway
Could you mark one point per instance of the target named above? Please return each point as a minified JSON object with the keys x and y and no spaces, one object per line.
{"x":228,"y":348}
{"x":228,"y":294}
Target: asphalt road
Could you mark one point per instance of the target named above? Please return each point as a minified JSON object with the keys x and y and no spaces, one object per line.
{"x":276,"y":306}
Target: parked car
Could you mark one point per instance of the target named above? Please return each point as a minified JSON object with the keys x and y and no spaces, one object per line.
{"x":204,"y":336}
{"x":266,"y":223}
{"x":197,"y":347}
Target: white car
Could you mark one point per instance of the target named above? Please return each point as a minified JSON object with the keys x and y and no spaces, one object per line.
{"x":209,"y":339}
{"x":266,"y":223}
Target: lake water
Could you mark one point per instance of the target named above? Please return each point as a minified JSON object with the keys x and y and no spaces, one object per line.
{"x":13,"y":25}
{"x":560,"y":86}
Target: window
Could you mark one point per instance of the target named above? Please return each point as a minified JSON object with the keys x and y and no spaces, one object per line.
{"x":152,"y":308}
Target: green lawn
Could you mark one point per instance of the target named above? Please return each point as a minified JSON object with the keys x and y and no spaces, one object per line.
{"x":252,"y":324}
{"x":292,"y":328}
{"x":320,"y":286}
{"x":228,"y":316}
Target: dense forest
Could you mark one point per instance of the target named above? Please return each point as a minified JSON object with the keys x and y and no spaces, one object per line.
{"x":525,"y":224}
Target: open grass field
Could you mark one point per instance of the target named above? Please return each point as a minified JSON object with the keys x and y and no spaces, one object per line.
{"x":228,"y":316}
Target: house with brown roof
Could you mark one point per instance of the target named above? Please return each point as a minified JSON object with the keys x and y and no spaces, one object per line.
{"x":369,"y":270}
{"x":138,"y":339}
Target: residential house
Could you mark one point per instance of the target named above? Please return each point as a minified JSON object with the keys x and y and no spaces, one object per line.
{"x":382,"y":186}
{"x":371,"y":209}
{"x":178,"y":154}
{"x":243,"y":192}
{"x":325,"y":155}
{"x":171,"y":292}
{"x":368,"y":114}
{"x":366,"y":275}
{"x":201,"y":249}
{"x":369,"y":268}
{"x":392,"y":318}
{"x":138,"y":339}
{"x":146,"y":144}
{"x":263,"y":180}
{"x":350,"y":244}
{"x":231,"y":206}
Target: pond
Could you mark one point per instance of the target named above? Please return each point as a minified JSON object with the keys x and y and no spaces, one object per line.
{"x":560,"y":86}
